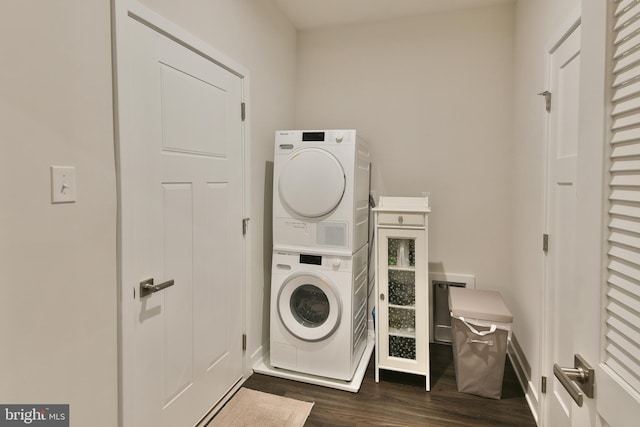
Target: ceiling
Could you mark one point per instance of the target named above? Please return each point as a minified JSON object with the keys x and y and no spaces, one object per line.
{"x":310,"y":14}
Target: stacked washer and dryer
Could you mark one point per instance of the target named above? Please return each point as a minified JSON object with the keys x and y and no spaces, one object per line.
{"x":320,"y":252}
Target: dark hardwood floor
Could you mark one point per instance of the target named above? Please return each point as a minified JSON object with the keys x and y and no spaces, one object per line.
{"x":401,"y":400}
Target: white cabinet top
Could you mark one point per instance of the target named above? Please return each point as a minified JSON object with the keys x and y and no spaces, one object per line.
{"x":403,"y":204}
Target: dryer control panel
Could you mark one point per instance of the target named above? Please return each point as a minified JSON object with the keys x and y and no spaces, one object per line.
{"x":290,"y":139}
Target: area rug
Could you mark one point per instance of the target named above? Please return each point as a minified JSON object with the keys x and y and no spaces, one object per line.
{"x":255,"y":408}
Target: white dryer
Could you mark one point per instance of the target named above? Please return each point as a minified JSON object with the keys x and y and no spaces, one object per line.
{"x":318,"y":313}
{"x":321,"y":191}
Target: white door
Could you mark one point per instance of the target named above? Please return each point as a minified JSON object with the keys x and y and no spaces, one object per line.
{"x":561,"y":287}
{"x":182,"y":192}
{"x":589,"y":315}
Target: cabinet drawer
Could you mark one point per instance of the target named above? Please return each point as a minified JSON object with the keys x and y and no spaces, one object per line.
{"x":400,"y":218}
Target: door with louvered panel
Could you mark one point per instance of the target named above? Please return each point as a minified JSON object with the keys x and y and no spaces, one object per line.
{"x":618,"y":373}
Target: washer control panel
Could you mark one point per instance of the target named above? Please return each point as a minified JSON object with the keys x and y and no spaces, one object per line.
{"x":327,"y":262}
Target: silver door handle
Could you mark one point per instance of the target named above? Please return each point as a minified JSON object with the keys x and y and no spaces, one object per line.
{"x":580,"y":378}
{"x":147,"y":287}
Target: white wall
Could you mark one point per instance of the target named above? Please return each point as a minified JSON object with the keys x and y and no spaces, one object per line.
{"x":58,"y":262}
{"x":433,"y":95}
{"x":537,"y":23}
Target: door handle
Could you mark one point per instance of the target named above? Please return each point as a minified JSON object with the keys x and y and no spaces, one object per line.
{"x":579,"y":379}
{"x":147,"y":287}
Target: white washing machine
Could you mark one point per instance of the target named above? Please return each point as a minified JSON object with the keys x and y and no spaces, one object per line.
{"x":318,"y":313}
{"x":321,"y":191}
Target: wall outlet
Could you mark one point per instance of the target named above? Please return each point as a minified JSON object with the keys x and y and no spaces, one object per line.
{"x":63,"y":184}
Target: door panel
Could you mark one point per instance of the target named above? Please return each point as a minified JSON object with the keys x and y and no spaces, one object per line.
{"x":181,"y":166}
{"x":178,"y":300}
{"x":211,"y":340}
{"x":192,"y":107}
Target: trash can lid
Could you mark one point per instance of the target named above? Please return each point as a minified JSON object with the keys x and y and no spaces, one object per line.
{"x":478,"y":304}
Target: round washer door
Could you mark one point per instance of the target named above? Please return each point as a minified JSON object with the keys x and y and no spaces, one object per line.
{"x":309,"y":306}
{"x":312,"y":182}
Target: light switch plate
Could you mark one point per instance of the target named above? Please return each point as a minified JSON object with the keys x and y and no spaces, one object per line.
{"x":63,"y":184}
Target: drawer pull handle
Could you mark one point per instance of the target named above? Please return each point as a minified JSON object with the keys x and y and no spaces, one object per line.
{"x":400,"y":219}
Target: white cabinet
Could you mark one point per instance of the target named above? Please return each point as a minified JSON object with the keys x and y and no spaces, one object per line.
{"x":402,"y":301}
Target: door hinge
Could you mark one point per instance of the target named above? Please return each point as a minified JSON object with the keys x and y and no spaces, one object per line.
{"x":243,"y":111}
{"x":244,"y":342}
{"x":545,"y":243}
{"x":547,"y":99}
{"x":245,"y":226}
{"x":543,"y":384}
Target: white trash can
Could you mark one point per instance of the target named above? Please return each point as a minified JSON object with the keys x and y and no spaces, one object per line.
{"x":481,"y":328}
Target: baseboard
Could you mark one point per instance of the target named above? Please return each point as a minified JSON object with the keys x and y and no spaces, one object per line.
{"x":523,"y":373}
{"x":256,"y":358}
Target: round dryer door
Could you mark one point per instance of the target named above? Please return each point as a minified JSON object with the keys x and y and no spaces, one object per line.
{"x":309,"y":306}
{"x":312,"y":183}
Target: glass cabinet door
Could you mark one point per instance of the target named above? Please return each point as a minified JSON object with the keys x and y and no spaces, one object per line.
{"x":401,"y":292}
